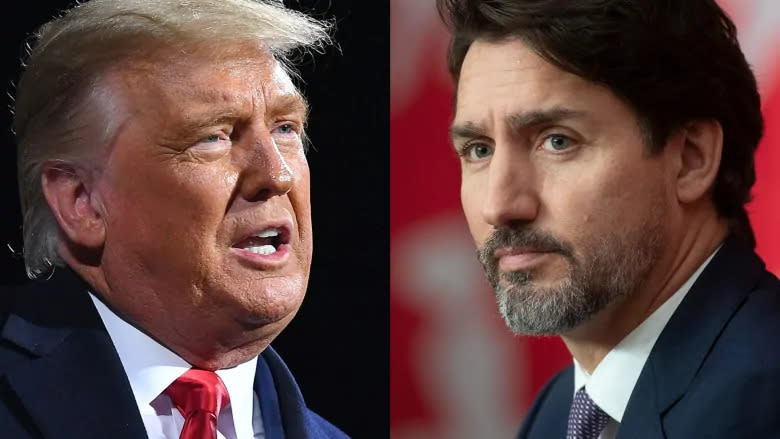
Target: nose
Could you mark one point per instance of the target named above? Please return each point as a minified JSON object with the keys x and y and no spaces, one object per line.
{"x":267,"y":173}
{"x":511,"y":196}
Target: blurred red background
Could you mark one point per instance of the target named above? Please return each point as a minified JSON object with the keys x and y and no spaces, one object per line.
{"x":456,"y":372}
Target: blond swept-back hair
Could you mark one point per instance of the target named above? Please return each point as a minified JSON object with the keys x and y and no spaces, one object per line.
{"x":54,"y":117}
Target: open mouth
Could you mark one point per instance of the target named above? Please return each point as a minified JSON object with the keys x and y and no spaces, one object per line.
{"x":266,"y":242}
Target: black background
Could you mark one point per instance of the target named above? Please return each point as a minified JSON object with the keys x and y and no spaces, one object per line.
{"x":337,"y":347}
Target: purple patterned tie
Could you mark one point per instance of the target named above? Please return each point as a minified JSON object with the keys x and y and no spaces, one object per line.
{"x":586,"y":419}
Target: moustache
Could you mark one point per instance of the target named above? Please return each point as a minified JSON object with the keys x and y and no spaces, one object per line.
{"x":534,"y":240}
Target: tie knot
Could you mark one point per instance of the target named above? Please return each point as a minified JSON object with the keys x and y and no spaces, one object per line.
{"x":586,"y":419}
{"x":198,"y":390}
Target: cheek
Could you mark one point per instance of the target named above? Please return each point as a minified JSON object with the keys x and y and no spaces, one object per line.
{"x":471,"y":197}
{"x":301,"y":187}
{"x":192,"y":196}
{"x":201,"y":188}
{"x":299,"y":167}
{"x":595,"y":203}
{"x":171,"y":207}
{"x":300,"y":199}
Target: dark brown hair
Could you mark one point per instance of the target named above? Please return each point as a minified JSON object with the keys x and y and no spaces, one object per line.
{"x":672,"y":61}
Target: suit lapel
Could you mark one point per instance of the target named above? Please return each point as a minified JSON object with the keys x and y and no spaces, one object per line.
{"x":265,"y":389}
{"x":642,"y":417}
{"x":549,"y":415}
{"x":280,"y":384}
{"x":685,"y":341}
{"x":73,"y":384}
{"x":282,"y":403}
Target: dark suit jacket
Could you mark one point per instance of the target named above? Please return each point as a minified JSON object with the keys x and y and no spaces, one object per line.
{"x":60,"y":376}
{"x":714,"y":371}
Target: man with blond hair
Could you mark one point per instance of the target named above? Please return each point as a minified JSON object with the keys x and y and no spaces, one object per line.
{"x":165,"y":196}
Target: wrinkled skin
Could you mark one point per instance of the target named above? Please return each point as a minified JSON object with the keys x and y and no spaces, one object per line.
{"x":210,"y":150}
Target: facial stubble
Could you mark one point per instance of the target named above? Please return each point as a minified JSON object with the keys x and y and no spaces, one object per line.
{"x":607,"y":268}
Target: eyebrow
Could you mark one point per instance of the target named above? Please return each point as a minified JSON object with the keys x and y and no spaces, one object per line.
{"x":230,"y":112}
{"x":192,"y":123}
{"x":516,"y":121}
{"x":289,"y":103}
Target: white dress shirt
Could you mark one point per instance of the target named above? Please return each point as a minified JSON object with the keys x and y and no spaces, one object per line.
{"x":151,"y":368}
{"x":612,"y":382}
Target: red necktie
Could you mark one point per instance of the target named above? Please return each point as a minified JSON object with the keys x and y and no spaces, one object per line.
{"x":199,"y":395}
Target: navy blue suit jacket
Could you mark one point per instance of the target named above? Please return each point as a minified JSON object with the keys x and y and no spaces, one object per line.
{"x":60,"y":376}
{"x":714,"y":371}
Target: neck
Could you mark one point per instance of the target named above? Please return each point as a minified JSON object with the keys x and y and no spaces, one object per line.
{"x":214,"y":344}
{"x":591,"y":341}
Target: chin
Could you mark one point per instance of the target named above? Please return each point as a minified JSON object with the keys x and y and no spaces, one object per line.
{"x":260,"y":296}
{"x":263,"y":316}
{"x":260,"y":332}
{"x":270,"y":306}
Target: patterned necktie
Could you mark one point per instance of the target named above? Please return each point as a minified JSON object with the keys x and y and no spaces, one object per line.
{"x":199,"y":395}
{"x":586,"y":419}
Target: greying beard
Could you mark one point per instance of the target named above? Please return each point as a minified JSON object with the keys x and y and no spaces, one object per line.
{"x":614,"y":267}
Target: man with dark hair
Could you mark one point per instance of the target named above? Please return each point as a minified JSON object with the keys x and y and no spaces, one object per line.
{"x":607,"y":155}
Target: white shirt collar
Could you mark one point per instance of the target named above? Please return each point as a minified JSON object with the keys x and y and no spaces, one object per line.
{"x":612,"y":382}
{"x":151,"y":368}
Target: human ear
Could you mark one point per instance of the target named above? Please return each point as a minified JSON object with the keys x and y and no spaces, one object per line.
{"x":74,"y":203}
{"x":700,"y":155}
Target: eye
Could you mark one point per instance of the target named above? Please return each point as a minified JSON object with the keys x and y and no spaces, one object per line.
{"x":477,"y":151}
{"x":216,"y":141}
{"x":557,"y":143}
{"x":286,"y":128}
{"x":211,"y":139}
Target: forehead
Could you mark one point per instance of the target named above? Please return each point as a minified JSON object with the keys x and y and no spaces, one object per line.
{"x":242,"y":75}
{"x":507,"y":77}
